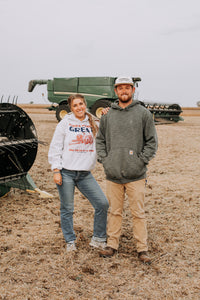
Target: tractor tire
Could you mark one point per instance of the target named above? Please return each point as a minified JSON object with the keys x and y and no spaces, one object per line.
{"x":61,"y":111}
{"x":98,"y":106}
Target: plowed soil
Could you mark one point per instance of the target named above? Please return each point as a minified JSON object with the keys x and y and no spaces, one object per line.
{"x":33,"y":260}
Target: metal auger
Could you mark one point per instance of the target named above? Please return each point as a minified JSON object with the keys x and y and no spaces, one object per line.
{"x":18,"y":149}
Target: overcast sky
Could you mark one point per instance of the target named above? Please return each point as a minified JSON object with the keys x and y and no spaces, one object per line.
{"x":157,"y":40}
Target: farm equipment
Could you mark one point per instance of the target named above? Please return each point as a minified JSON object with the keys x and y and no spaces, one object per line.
{"x":99,"y":93}
{"x":18,"y":150}
{"x":164,"y":113}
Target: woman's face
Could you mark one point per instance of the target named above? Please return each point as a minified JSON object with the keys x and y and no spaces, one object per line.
{"x":78,"y":107}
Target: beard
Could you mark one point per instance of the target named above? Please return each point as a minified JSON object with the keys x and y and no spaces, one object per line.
{"x":125,"y":98}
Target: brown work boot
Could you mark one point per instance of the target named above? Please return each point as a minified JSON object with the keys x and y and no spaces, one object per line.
{"x":143,"y":256}
{"x":107,"y":252}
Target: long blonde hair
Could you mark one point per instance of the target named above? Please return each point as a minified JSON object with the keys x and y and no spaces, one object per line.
{"x":91,"y":119}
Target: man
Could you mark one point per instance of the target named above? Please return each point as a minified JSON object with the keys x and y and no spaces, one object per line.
{"x":125,"y":143}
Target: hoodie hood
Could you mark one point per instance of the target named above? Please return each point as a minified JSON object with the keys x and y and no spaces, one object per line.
{"x":115,"y":105}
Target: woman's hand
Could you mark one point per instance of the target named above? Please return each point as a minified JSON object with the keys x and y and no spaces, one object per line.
{"x":57,"y":177}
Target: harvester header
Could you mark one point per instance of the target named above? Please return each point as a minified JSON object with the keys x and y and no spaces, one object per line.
{"x":18,"y":150}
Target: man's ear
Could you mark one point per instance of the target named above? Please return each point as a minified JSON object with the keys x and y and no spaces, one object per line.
{"x":115,"y":91}
{"x":133,"y":89}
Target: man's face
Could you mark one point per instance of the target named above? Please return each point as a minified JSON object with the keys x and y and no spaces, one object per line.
{"x":124,"y":92}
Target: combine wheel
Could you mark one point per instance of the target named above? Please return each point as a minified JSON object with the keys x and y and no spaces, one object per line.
{"x":98,"y":106}
{"x":61,"y":111}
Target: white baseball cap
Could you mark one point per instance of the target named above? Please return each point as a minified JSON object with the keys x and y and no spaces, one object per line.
{"x":124,"y":80}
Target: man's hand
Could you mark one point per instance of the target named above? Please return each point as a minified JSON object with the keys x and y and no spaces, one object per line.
{"x":105,"y":110}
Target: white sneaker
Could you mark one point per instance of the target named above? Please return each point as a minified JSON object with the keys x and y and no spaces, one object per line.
{"x":71,"y":247}
{"x":97,"y":243}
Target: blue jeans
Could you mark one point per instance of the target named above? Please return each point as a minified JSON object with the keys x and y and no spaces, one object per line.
{"x":88,"y":186}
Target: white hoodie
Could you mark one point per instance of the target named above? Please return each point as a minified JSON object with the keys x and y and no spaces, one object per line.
{"x":73,"y":145}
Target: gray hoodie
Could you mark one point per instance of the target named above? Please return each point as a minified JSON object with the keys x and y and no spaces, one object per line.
{"x":126,"y":142}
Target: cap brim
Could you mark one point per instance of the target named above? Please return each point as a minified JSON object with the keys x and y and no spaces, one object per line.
{"x":124,"y":83}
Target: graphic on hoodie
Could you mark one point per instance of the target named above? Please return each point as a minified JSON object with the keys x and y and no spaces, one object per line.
{"x":83,"y":136}
{"x":82,"y":139}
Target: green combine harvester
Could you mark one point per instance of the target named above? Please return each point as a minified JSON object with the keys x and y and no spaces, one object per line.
{"x":99,"y":93}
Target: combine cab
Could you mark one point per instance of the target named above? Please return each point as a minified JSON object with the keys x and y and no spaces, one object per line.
{"x":18,"y":149}
{"x":99,"y":93}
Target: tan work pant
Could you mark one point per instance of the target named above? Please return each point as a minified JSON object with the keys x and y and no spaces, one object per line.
{"x":116,"y":195}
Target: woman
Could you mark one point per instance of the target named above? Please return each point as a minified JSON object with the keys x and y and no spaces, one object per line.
{"x":72,"y":156}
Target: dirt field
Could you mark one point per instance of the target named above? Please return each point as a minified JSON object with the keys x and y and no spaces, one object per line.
{"x":33,"y":261}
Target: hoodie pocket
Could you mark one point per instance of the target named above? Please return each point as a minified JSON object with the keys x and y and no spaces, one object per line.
{"x":112,"y":165}
{"x":133,"y":166}
{"x":124,"y":163}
